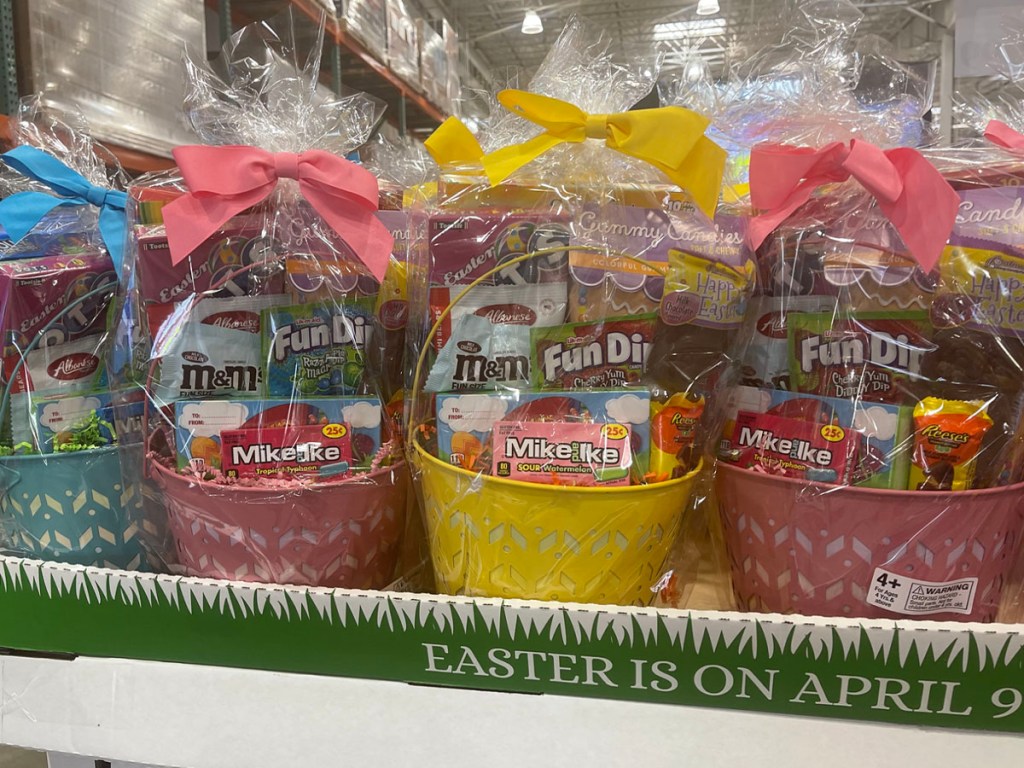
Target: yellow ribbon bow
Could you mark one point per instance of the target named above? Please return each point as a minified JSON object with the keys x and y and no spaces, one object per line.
{"x":669,"y":138}
{"x":453,"y":143}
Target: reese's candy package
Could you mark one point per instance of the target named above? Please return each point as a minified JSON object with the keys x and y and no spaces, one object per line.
{"x":947,"y":439}
{"x":674,"y":431}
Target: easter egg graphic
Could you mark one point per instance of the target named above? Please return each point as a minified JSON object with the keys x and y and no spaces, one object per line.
{"x":466,"y":449}
{"x":207,"y":449}
{"x":514,"y":243}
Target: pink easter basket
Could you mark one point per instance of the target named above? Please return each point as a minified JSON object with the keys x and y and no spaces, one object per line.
{"x":341,"y":534}
{"x":817,"y":549}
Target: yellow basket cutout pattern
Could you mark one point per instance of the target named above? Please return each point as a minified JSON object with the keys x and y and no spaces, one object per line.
{"x":492,"y":537}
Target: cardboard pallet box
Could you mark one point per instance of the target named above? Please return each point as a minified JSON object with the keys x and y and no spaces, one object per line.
{"x":366,"y":20}
{"x":433,"y":63}
{"x":403,"y":42}
{"x":905,"y":672}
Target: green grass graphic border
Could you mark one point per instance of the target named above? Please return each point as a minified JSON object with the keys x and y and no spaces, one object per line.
{"x":713,"y":661}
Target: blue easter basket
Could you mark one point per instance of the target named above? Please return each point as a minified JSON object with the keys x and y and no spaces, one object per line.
{"x":72,"y":507}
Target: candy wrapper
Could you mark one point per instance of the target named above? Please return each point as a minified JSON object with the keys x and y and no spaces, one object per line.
{"x":573,"y":297}
{"x":61,"y":441}
{"x":253,"y":299}
{"x":868,"y":460}
{"x":401,"y":165}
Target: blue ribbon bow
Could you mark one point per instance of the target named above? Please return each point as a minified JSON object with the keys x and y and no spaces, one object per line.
{"x":22,"y":211}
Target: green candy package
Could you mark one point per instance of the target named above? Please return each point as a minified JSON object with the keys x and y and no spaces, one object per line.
{"x":316,"y":349}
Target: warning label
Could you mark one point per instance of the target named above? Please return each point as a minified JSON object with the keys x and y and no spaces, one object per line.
{"x":901,"y":594}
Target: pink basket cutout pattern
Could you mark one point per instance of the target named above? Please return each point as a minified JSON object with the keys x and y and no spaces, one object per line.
{"x":342,"y":534}
{"x":813,"y":549}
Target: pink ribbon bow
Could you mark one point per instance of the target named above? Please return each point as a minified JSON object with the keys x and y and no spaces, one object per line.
{"x":1002,"y":135}
{"x":910,"y":191}
{"x":224,"y":181}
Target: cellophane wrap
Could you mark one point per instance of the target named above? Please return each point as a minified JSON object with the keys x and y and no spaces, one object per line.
{"x":871,"y":457}
{"x":821,"y":82}
{"x":568,"y":329}
{"x":63,"y":497}
{"x":989,"y":235}
{"x":999,"y":97}
{"x":65,"y":136}
{"x":269,"y":441}
{"x":402,"y":166}
{"x":588,"y":68}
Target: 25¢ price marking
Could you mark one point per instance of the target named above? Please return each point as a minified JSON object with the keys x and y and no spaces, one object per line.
{"x":833,"y":433}
{"x":614,"y":431}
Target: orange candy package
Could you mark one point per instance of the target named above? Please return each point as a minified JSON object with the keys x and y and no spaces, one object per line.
{"x":947,"y":439}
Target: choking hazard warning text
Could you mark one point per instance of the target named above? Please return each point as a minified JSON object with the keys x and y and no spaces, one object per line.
{"x":902,"y":594}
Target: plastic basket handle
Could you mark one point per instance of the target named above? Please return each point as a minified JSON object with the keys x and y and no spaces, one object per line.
{"x":661,"y":269}
{"x":11,"y":477}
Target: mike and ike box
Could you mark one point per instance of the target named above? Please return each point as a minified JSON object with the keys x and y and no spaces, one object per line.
{"x":300,"y":451}
{"x":466,"y":421}
{"x":200,"y":424}
{"x":881,"y":431}
{"x":563,"y":453}
{"x":810,"y":450}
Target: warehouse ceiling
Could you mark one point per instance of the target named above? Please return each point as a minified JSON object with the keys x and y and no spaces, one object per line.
{"x":492,"y":28}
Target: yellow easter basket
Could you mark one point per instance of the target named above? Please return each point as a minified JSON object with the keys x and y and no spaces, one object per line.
{"x":495,"y":537}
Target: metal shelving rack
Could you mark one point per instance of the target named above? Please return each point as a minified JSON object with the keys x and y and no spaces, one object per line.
{"x":348,"y":61}
{"x":351,"y":63}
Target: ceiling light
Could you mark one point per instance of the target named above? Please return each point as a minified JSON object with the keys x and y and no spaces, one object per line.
{"x":532,"y":25}
{"x":695,"y":71}
{"x":705,"y":8}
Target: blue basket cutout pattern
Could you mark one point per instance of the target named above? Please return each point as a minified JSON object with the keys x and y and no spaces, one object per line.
{"x":73,"y":508}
